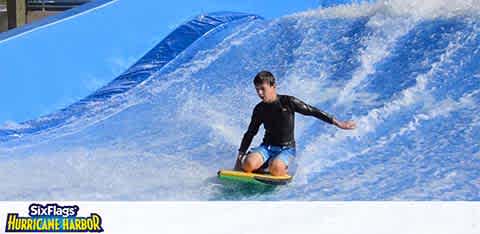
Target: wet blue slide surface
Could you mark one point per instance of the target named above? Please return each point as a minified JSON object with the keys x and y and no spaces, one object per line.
{"x":163,"y":126}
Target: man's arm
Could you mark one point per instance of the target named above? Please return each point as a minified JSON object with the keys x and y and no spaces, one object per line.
{"x":305,"y":109}
{"x":253,"y":127}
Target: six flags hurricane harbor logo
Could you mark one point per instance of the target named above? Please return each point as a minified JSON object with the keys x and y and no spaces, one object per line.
{"x":53,"y":218}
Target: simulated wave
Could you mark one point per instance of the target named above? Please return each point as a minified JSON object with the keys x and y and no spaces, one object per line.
{"x":407,"y":71}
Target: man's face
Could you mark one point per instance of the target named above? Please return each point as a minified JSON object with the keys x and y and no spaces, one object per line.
{"x":266,"y":92}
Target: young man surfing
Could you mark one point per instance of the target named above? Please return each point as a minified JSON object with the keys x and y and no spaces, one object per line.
{"x":276,"y":113}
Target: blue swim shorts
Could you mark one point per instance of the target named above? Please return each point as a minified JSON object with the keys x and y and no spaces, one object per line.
{"x":270,"y":152}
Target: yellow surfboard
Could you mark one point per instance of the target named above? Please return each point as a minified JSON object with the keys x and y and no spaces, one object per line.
{"x":253,"y":177}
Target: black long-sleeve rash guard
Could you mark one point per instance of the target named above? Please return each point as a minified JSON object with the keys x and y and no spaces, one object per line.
{"x":278,"y":119}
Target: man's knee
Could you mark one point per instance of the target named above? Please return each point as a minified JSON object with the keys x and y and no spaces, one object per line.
{"x":252,"y":162}
{"x":278,"y":168}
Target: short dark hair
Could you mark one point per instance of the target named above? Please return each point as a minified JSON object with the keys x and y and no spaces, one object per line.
{"x":264,"y":76}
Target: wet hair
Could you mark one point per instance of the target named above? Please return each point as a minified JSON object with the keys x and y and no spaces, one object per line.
{"x":264,"y":76}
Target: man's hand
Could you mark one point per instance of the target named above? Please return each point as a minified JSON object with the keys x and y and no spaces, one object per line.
{"x":345,"y":125}
{"x":238,"y":161}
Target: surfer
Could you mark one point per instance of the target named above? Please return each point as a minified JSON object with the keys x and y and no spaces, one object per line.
{"x":276,"y":113}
